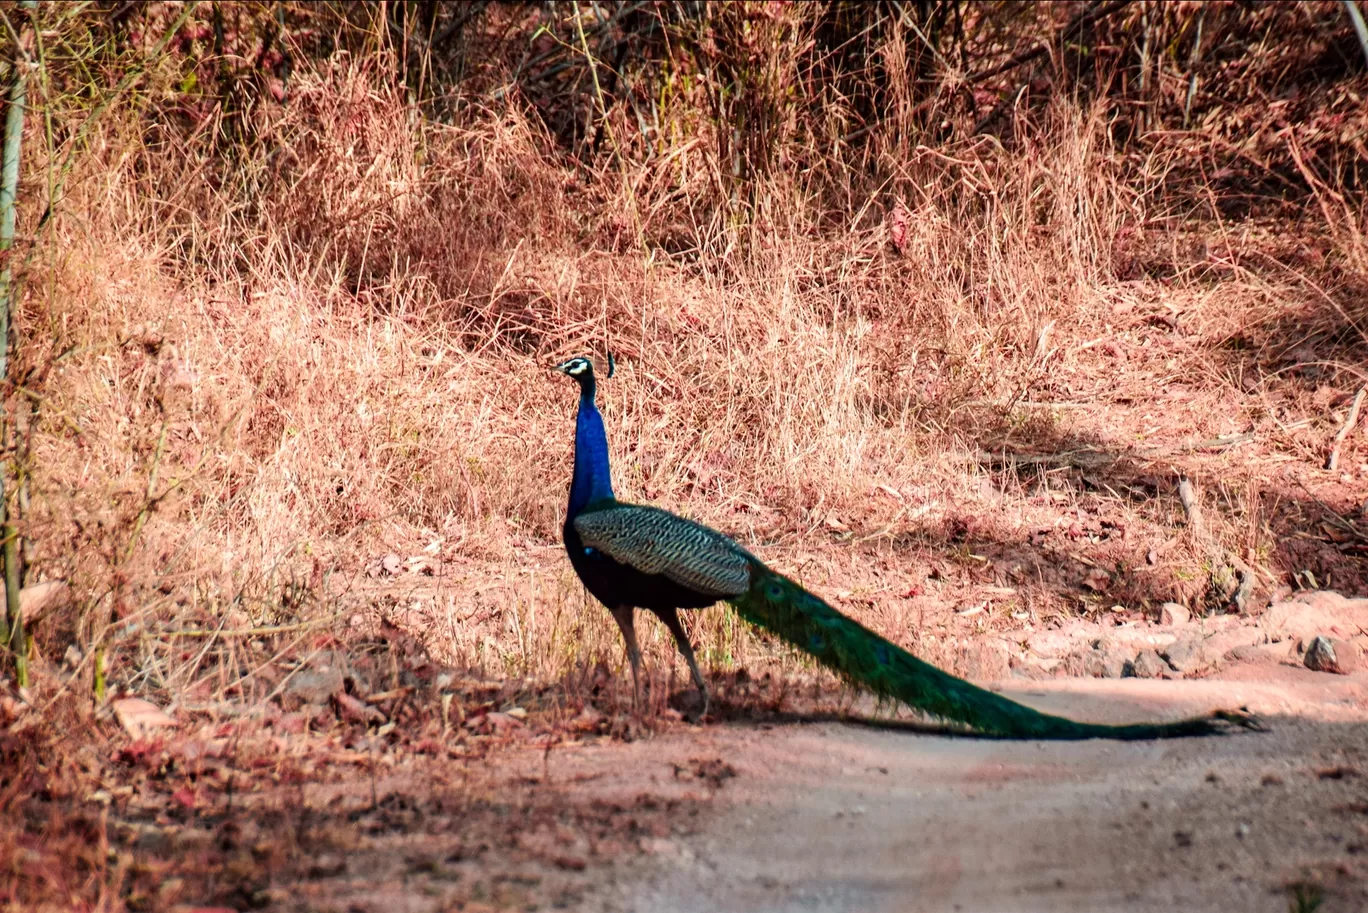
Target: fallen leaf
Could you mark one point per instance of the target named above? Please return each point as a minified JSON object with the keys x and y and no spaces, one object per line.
{"x":34,"y":601}
{"x":353,"y":710}
{"x":1097,"y":579}
{"x":897,"y":227}
{"x":139,"y":717}
{"x":493,"y":723}
{"x":890,"y":491}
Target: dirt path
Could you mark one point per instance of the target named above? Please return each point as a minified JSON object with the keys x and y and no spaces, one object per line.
{"x":795,"y":814}
{"x":841,"y":817}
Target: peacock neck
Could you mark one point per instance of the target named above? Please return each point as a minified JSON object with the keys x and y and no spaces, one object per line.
{"x":592,"y":480}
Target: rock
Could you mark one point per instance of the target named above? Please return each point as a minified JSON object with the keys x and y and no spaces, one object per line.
{"x":312,"y":686}
{"x":1184,"y":656}
{"x":1243,"y":595}
{"x":1146,"y":665}
{"x":1171,"y":613}
{"x":1106,"y":659}
{"x":1329,"y":654}
{"x":1240,"y":632}
{"x":1258,"y":653}
{"x":1033,"y":667}
{"x":1313,"y":613}
{"x":1104,"y":664}
{"x":985,"y":661}
{"x":1050,"y":644}
{"x":328,"y":865}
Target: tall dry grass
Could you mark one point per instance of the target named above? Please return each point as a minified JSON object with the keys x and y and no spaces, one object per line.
{"x":272,"y":355}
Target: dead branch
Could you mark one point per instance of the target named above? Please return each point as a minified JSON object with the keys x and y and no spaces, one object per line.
{"x":1332,"y":460}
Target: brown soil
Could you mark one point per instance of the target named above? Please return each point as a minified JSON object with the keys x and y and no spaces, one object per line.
{"x":833,"y":817}
{"x":827,"y":815}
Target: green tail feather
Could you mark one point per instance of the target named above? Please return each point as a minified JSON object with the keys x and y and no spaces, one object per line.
{"x":782,"y":607}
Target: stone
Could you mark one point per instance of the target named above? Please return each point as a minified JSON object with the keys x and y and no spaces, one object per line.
{"x":1106,"y":659}
{"x":1171,"y":613}
{"x":985,"y":661}
{"x":1258,"y":653}
{"x":1312,"y":613}
{"x":1050,"y":644}
{"x":328,"y":865}
{"x":1329,"y":654}
{"x":1104,"y":664}
{"x":312,"y":686}
{"x":1146,"y":665}
{"x":1184,"y":656}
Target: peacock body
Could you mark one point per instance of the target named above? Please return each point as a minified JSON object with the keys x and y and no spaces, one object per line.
{"x":633,"y":556}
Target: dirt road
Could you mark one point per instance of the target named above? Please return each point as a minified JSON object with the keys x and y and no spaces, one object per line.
{"x":785,"y":812}
{"x":833,"y":816}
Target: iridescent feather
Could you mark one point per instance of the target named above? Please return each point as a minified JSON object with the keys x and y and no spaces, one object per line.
{"x":633,"y":556}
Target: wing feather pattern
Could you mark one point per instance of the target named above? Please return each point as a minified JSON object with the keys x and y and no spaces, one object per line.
{"x":655,"y":541}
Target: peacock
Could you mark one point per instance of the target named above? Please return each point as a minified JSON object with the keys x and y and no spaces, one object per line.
{"x":633,"y":556}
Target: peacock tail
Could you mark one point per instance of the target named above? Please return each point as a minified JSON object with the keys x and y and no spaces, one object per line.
{"x":778,"y":605}
{"x":658,"y":543}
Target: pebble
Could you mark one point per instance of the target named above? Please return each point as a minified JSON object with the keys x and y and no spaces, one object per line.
{"x":1171,"y":613}
{"x":1329,"y":654}
{"x":1146,"y":665}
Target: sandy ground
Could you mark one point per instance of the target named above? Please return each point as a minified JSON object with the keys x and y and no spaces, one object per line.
{"x":833,"y":816}
{"x":790,"y":811}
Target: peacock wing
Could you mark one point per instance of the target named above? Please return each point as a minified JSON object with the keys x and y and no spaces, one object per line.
{"x":656,"y":541}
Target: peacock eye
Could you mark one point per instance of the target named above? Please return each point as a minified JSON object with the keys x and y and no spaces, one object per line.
{"x":774,"y":591}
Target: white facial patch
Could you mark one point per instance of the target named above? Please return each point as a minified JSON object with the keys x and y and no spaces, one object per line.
{"x":577,"y":368}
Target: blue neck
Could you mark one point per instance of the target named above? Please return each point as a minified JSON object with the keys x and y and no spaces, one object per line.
{"x":592,"y":480}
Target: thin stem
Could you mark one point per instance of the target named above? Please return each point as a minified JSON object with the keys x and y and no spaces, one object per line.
{"x":13,"y":628}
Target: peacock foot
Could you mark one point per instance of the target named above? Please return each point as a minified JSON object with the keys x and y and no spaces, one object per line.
{"x":691,"y":704}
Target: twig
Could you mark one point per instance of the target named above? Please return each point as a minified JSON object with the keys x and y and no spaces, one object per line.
{"x":1360,"y":29}
{"x":1188,"y":495}
{"x":1332,"y":461}
{"x":1335,"y":518}
{"x":12,"y":628}
{"x":1192,"y":68}
{"x":254,"y":632}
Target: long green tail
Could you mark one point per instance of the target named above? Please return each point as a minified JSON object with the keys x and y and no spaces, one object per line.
{"x":779,"y":605}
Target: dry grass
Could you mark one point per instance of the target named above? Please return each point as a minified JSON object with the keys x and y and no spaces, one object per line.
{"x":287,"y":357}
{"x":272,"y":351}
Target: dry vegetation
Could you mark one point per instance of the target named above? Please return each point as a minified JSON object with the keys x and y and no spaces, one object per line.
{"x":933,"y":337}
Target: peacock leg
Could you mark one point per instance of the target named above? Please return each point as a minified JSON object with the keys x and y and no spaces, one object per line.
{"x":623,"y":615}
{"x":671,"y":619}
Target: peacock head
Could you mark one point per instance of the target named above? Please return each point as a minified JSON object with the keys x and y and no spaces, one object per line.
{"x":582,"y":370}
